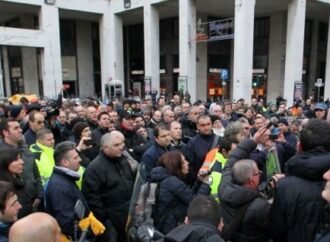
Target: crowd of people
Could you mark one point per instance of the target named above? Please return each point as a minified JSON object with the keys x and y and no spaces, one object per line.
{"x":226,"y":171}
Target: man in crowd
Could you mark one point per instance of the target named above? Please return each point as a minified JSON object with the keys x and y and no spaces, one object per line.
{"x":239,"y":187}
{"x":298,"y":207}
{"x":202,"y":223}
{"x":189,"y":128}
{"x":176,"y":136}
{"x":62,"y":193}
{"x":43,"y":151}
{"x":36,"y":227}
{"x":168,"y":116}
{"x":156,"y":150}
{"x":11,"y":133}
{"x":9,"y":208}
{"x":135,"y":144}
{"x":290,"y":138}
{"x":103,"y":120}
{"x":200,"y":145}
{"x":156,"y":119}
{"x":36,"y":122}
{"x":92,"y":118}
{"x":108,"y":185}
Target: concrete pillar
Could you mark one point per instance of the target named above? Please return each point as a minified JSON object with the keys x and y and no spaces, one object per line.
{"x":313,"y":59}
{"x":201,"y":71}
{"x":276,"y":55}
{"x":187,"y":44}
{"x":151,"y":44}
{"x":111,"y":47}
{"x":201,"y":67}
{"x":294,"y":47}
{"x":327,"y":69}
{"x":85,"y":58}
{"x":6,"y":70}
{"x":51,"y":54}
{"x":243,"y":49}
{"x":30,"y":70}
{"x":29,"y":60}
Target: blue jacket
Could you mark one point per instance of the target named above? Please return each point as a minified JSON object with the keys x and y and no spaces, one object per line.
{"x":61,"y":196}
{"x":30,"y":137}
{"x":172,"y":199}
{"x":151,"y":156}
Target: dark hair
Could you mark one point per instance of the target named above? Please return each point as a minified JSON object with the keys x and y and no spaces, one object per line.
{"x":316,"y":133}
{"x":204,"y":208}
{"x":203,"y":116}
{"x":42,"y":133}
{"x":32,"y":115}
{"x":172,"y":161}
{"x":4,"y":124}
{"x":99,"y":116}
{"x":8,"y":155}
{"x":227,"y":142}
{"x":161,"y":126}
{"x":6,"y":190}
{"x":61,"y":151}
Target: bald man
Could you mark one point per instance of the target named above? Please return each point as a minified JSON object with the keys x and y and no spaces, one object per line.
{"x":108,"y":185}
{"x":36,"y":227}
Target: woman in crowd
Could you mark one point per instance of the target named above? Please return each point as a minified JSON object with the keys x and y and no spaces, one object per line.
{"x":83,"y":138}
{"x":173,"y":196}
{"x":11,"y":170}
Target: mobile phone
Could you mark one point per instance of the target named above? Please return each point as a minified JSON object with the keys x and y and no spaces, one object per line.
{"x":88,"y":142}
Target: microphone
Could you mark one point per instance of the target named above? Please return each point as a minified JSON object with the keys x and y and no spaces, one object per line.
{"x":272,"y":121}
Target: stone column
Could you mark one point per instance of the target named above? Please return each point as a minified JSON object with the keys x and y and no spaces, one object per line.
{"x":312,"y":75}
{"x":243,"y":49}
{"x":85,"y":58}
{"x":151,"y":44}
{"x":187,"y":44}
{"x":51,"y":54}
{"x":276,"y":56}
{"x":327,"y":69}
{"x":294,"y":47}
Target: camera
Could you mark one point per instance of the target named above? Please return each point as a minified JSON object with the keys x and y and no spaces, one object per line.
{"x":266,"y":188}
{"x":274,"y":133}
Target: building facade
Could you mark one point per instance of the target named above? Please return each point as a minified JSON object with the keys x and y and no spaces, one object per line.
{"x":211,"y":48}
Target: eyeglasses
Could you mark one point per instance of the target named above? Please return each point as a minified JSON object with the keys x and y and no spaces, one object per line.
{"x":257,"y":173}
{"x":39,"y":122}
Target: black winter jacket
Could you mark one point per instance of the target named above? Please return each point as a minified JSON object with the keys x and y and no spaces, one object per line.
{"x":107,"y":186}
{"x":61,"y":197}
{"x":173,"y":198}
{"x":189,"y":129}
{"x":254,"y":226}
{"x":298,"y":205}
{"x":151,"y":156}
{"x":197,"y":231}
{"x":98,"y":133}
{"x":195,"y":152}
{"x":134,"y":143}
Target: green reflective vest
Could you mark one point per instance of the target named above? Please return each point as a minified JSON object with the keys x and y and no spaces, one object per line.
{"x":216,"y":174}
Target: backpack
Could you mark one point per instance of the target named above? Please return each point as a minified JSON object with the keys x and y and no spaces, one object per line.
{"x":140,"y":225}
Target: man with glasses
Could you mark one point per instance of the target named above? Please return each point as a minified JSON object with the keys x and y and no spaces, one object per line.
{"x":36,"y":122}
{"x":238,"y":192}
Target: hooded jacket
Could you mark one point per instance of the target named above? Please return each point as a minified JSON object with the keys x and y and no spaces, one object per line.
{"x":254,"y":225}
{"x":298,"y":206}
{"x":197,"y":231}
